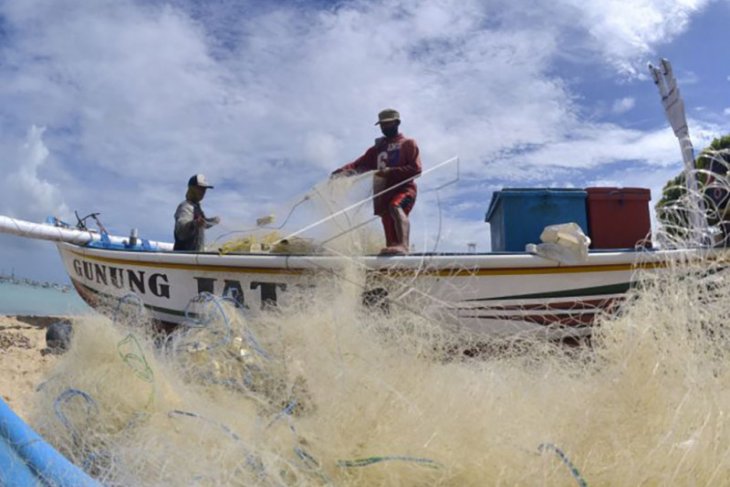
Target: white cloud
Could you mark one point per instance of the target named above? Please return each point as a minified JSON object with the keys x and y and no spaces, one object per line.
{"x":144,"y":93}
{"x":267,"y":99}
{"x":594,"y":146}
{"x":24,"y":189}
{"x":623,"y":105}
{"x":626,"y":31}
{"x":726,"y":111}
{"x":145,"y":90}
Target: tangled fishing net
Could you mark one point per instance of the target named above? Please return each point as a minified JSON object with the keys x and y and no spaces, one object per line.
{"x":224,"y":400}
{"x":710,"y":203}
{"x":345,"y":230}
{"x":323,"y":390}
{"x":272,"y":242}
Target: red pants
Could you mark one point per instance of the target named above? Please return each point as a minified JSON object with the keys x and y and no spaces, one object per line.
{"x":405,"y":201}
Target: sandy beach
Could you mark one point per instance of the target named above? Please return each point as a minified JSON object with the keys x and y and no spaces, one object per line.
{"x":23,"y":360}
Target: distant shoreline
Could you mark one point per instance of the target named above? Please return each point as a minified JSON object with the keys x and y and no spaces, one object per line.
{"x":24,"y":281}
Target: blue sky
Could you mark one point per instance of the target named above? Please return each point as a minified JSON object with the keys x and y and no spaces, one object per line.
{"x":111,"y":105}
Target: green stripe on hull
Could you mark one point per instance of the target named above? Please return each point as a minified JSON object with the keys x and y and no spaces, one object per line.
{"x":568,"y":293}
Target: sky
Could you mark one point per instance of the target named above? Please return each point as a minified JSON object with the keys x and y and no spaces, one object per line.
{"x":110,"y":106}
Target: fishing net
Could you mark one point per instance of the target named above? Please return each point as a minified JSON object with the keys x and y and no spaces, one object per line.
{"x":223,"y":400}
{"x":348,"y":226}
{"x":325,"y":391}
{"x":710,"y":201}
{"x":331,"y":388}
{"x":272,"y":242}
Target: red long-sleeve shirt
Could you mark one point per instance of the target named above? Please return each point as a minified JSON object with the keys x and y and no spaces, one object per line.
{"x":398,"y":153}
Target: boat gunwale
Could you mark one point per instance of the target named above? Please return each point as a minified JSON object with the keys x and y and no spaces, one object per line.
{"x":445,"y":264}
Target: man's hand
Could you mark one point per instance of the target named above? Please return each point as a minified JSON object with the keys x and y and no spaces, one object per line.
{"x":383,"y":172}
{"x":340,"y":173}
{"x":214,"y":220}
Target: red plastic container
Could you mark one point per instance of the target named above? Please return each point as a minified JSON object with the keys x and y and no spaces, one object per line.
{"x":618,"y":218}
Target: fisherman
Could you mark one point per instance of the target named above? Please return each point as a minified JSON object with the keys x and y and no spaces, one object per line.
{"x":190,"y":221}
{"x":396,"y":159}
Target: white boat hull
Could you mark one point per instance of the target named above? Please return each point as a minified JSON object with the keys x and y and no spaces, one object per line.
{"x":493,"y":294}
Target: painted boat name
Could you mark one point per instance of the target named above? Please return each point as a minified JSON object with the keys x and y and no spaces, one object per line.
{"x":158,"y":283}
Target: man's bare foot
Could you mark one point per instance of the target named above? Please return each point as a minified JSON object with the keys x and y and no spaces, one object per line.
{"x":394,"y":250}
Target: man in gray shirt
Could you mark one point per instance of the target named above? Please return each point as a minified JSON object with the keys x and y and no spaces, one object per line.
{"x":190,"y":221}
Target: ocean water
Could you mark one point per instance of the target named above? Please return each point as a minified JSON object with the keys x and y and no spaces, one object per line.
{"x":21,"y":299}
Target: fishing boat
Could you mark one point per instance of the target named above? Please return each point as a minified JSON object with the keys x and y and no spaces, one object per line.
{"x":495,"y":293}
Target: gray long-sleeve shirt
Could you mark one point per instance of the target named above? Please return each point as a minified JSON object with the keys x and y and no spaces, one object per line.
{"x":188,"y":235}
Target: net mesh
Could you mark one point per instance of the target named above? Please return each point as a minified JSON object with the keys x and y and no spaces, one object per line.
{"x":348,"y":225}
{"x":325,"y":392}
{"x":322,"y":390}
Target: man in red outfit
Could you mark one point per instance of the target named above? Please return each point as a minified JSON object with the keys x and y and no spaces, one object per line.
{"x":397,"y":162}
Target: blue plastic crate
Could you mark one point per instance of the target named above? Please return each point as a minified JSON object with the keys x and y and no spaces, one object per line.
{"x":517,"y":216}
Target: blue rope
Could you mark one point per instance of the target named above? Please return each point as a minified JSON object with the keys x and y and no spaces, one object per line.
{"x":64,"y":397}
{"x":312,"y":464}
{"x":305,"y":457}
{"x":564,"y":458}
{"x":252,"y":460}
{"x":248,"y":335}
{"x":288,"y":410}
{"x":201,"y":320}
{"x":195,"y":320}
{"x":91,"y":459}
{"x":308,"y":459}
{"x":253,"y":343}
{"x":230,"y":297}
{"x":364,"y":462}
